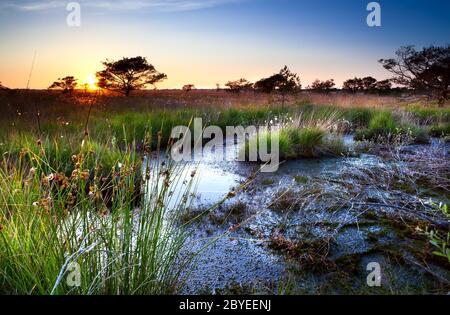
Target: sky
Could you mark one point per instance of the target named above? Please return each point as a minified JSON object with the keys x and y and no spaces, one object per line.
{"x":205,"y":42}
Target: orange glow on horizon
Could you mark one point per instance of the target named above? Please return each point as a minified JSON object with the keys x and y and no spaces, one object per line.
{"x":91,"y":82}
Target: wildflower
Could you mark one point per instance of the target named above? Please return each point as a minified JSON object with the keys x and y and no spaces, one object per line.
{"x":47,"y":204}
{"x":167,"y":182}
{"x":23,"y":152}
{"x":58,"y":177}
{"x":234,"y":228}
{"x":85,"y":175}
{"x":35,"y":204}
{"x":231,"y":194}
{"x":74,"y":158}
{"x":104,"y":212}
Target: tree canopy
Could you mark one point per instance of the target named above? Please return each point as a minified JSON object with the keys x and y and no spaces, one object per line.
{"x":188,"y":87}
{"x":323,"y":86}
{"x":128,"y":74}
{"x":366,"y":84}
{"x":285,"y":82}
{"x":428,"y":69}
{"x":66,"y":84}
{"x":238,"y":85}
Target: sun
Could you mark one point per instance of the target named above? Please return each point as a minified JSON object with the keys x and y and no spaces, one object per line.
{"x":91,"y":82}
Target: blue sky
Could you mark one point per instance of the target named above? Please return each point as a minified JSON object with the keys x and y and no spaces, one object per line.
{"x":211,"y":41}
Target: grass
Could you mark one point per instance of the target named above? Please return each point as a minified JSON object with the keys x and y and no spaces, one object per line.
{"x":440,"y":130}
{"x":429,"y":115}
{"x":49,"y":221}
{"x":310,"y":135}
{"x":72,"y":194}
{"x":385,"y":126}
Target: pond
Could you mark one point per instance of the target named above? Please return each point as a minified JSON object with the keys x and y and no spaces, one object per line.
{"x":313,"y":225}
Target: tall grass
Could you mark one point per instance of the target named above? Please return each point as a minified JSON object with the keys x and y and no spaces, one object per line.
{"x":386,"y":126}
{"x":49,"y":221}
{"x":311,"y":134}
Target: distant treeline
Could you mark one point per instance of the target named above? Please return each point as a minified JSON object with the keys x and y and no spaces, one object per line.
{"x":427,"y":70}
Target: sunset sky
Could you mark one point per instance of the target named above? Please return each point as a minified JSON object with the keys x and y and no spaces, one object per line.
{"x":205,"y":42}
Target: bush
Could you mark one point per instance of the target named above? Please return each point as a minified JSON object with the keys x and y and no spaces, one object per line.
{"x":307,"y":142}
{"x":440,"y":130}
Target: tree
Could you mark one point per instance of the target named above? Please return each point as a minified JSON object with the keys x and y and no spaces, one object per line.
{"x":323,"y":86}
{"x":383,"y":86}
{"x":368,"y":83}
{"x":67,"y":84}
{"x":290,"y":83}
{"x":238,"y":85}
{"x":2,"y":87}
{"x":128,"y":74}
{"x":284,"y":82}
{"x":270,"y":84}
{"x":353,"y":85}
{"x":428,"y":69}
{"x":188,"y":87}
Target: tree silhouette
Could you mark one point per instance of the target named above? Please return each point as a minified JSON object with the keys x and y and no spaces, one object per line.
{"x":2,"y":87}
{"x":428,"y":69}
{"x":353,"y":85}
{"x":290,"y":83}
{"x":323,"y":86}
{"x":368,"y":83}
{"x":128,"y":74}
{"x":188,"y":87}
{"x":66,"y":84}
{"x":284,"y":82}
{"x":383,"y":86}
{"x":270,"y":84}
{"x":238,"y":85}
